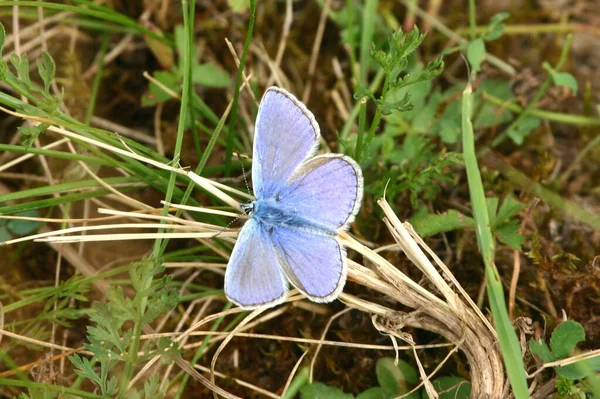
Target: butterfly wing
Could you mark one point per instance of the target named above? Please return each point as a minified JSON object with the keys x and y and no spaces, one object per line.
{"x":253,"y":278}
{"x":327,"y":190}
{"x":315,"y":264}
{"x":286,"y":134}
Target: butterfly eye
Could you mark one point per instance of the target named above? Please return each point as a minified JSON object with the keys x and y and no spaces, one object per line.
{"x":247,"y":208}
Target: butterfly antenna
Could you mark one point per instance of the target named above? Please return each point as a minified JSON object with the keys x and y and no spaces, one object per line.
{"x":243,"y":172}
{"x":224,"y":228}
{"x":247,"y":188}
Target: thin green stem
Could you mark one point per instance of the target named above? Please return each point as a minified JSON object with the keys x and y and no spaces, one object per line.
{"x":472,"y":19}
{"x":97,"y":80}
{"x":378,"y":114}
{"x":569,"y":208}
{"x":538,"y":95}
{"x":356,"y":109}
{"x":536,"y":29}
{"x":582,"y":154}
{"x":577,"y":120}
{"x":362,"y":121}
{"x":236,"y":93}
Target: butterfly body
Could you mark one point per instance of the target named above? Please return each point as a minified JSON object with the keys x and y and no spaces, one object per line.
{"x":302,"y":203}
{"x":270,"y":213}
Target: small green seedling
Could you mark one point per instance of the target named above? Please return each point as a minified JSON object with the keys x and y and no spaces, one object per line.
{"x":20,"y":80}
{"x":394,"y":380}
{"x":563,"y":343}
{"x":15,"y":227}
{"x":206,"y":74}
{"x":504,"y":226}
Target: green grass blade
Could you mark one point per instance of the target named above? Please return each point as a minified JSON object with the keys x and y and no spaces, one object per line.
{"x":43,"y":387}
{"x":97,"y":80}
{"x":62,"y":187}
{"x":64,"y":199}
{"x":112,"y":16}
{"x":366,"y":38}
{"x":509,"y":343}
{"x":236,"y":92}
{"x":19,"y":149}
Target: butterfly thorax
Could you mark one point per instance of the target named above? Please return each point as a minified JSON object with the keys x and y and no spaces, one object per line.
{"x":270,"y":212}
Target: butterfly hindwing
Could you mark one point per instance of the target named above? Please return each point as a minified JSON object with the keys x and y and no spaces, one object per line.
{"x":253,"y":277}
{"x":314,"y":264}
{"x":326,"y":189}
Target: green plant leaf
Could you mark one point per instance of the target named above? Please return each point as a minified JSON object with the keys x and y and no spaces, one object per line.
{"x":24,"y":227}
{"x":2,"y":38}
{"x":404,"y":104}
{"x":5,"y":234}
{"x":492,"y":208}
{"x":31,"y":133}
{"x":450,"y":131}
{"x":169,"y":350}
{"x":111,"y":386}
{"x":509,"y":208}
{"x":83,"y":368}
{"x":521,"y":129}
{"x":179,"y":34}
{"x":508,"y":233}
{"x":210,"y":75}
{"x":581,"y":369}
{"x":239,"y":6}
{"x":451,"y":388}
{"x":566,"y":388}
{"x":371,"y":393}
{"x":489,"y":115}
{"x":495,"y":27}
{"x":565,"y":338}
{"x":395,"y":379}
{"x":394,"y":61}
{"x":562,"y":78}
{"x":47,"y":70}
{"x":153,"y":389}
{"x":476,"y":54}
{"x":541,"y":349}
{"x":21,"y":64}
{"x":157,"y":94}
{"x":431,"y":224}
{"x":317,"y":390}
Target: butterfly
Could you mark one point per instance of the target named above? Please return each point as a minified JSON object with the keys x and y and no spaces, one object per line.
{"x":302,"y":203}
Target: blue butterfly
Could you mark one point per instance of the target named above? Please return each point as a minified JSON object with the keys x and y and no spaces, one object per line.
{"x":302,"y":202}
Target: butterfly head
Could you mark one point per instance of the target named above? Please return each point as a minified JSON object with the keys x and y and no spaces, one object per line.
{"x":248,"y":207}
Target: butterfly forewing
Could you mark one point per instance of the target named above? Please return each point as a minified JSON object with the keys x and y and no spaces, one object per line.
{"x":286,"y":134}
